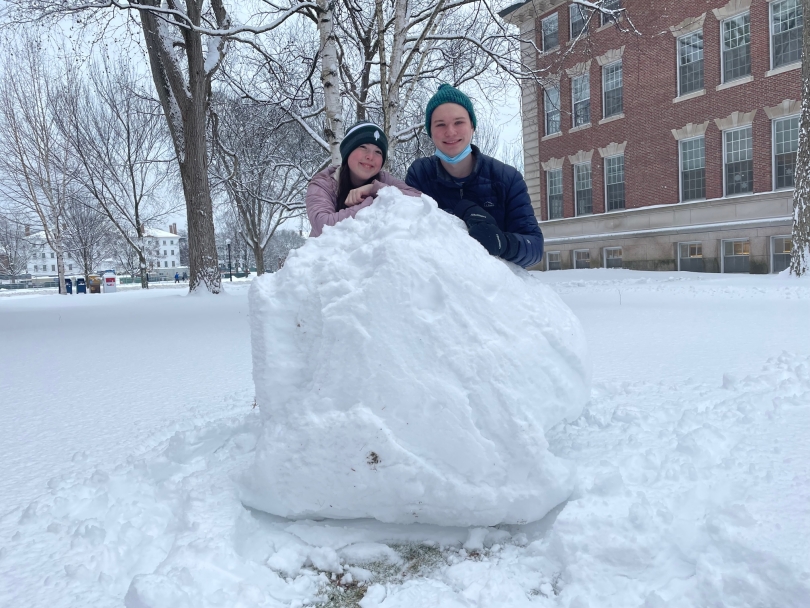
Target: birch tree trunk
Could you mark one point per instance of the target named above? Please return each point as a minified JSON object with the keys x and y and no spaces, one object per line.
{"x":800,"y":255}
{"x":392,"y":105}
{"x":330,"y":79}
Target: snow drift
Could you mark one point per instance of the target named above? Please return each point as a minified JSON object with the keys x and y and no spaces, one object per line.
{"x":404,"y":374}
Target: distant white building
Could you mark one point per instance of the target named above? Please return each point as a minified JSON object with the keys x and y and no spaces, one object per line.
{"x":164,"y":249}
{"x":42,"y":261}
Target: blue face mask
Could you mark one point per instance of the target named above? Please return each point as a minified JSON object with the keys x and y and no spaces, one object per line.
{"x":457,"y":158}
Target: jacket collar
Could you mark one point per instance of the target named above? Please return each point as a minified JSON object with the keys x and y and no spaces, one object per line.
{"x":451,"y":181}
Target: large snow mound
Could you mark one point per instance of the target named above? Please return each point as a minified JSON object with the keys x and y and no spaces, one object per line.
{"x":406,"y":375}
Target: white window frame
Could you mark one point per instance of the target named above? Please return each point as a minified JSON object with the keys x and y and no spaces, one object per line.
{"x":605,"y":252}
{"x":574,"y":258}
{"x":773,"y":152}
{"x":604,"y":67}
{"x":722,"y":49}
{"x":678,"y":64}
{"x":548,"y":253}
{"x":602,"y":21}
{"x":548,"y":196}
{"x":543,"y":32}
{"x":576,"y":202}
{"x":559,"y":110}
{"x":770,"y":35}
{"x":773,"y":238}
{"x":678,"y":253}
{"x":723,"y":163}
{"x":571,"y":8}
{"x":574,"y":124}
{"x":680,"y":169}
{"x":723,"y":251}
{"x":605,"y":184}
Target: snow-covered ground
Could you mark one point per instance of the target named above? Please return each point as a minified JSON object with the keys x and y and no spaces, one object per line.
{"x":127,"y":417}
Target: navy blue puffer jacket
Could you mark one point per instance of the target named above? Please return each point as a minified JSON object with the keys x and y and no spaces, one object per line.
{"x":498,"y":188}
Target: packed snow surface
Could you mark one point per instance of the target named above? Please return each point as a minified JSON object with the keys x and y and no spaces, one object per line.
{"x":692,"y":455}
{"x":406,"y":375}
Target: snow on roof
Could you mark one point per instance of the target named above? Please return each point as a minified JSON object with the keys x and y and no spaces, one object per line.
{"x":155,"y":233}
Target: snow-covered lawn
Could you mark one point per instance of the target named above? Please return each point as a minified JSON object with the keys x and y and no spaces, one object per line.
{"x":127,"y":417}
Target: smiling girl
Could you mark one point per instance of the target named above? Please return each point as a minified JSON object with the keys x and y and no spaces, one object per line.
{"x":340,"y":192}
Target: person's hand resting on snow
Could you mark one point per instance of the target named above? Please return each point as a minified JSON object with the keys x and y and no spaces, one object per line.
{"x":484,"y":229}
{"x":358,"y":195}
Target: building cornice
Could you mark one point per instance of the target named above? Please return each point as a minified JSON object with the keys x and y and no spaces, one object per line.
{"x":612,"y":149}
{"x":553,"y":163}
{"x":581,"y":157}
{"x":529,"y":11}
{"x":787,"y":108}
{"x":579,"y":69}
{"x":687,"y":26}
{"x":735,"y":119}
{"x":734,"y":7}
{"x":612,"y":56}
{"x":690,"y":130}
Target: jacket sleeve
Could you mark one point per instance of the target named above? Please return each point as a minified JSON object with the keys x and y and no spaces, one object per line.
{"x":522,"y":223}
{"x":321,"y":203}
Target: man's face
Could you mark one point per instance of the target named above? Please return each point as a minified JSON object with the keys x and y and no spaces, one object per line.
{"x":450,"y":128}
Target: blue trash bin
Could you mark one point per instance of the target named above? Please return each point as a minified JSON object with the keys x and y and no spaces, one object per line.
{"x":80,"y":286}
{"x":68,"y":286}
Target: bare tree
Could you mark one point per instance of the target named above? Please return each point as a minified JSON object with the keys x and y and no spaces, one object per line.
{"x":124,"y":152}
{"x":15,"y":250}
{"x":800,"y":258}
{"x":88,"y":236}
{"x":186,"y":41}
{"x":279,"y":248}
{"x":263,"y":164}
{"x":35,"y":158}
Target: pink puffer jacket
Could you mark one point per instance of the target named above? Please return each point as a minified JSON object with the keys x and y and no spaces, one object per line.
{"x":322,"y":198}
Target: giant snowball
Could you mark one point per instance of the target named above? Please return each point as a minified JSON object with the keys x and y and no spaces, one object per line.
{"x":406,"y":375}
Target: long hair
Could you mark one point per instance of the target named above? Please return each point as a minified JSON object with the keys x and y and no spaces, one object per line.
{"x":345,"y":185}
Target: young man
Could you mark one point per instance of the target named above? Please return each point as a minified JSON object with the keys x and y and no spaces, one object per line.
{"x":489,"y":196}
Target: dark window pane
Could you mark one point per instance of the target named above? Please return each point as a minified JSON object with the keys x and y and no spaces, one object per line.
{"x":693,"y":169}
{"x":610,"y":5}
{"x":739,"y":159}
{"x":613,"y":87}
{"x":579,"y":20}
{"x":551,"y":36}
{"x":690,"y":63}
{"x":583,"y":189}
{"x":614,"y":182}
{"x":551,"y":101}
{"x":581,"y":90}
{"x":555,"y":194}
{"x":786,"y":143}
{"x":736,"y":48}
{"x":787,"y":22}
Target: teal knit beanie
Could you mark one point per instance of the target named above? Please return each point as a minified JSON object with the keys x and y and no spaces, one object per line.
{"x":448,"y":94}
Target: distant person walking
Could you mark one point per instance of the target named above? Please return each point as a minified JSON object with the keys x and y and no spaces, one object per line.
{"x":176,"y":277}
{"x":185,"y":277}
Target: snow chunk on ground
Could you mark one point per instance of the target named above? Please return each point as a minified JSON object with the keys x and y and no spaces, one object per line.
{"x":404,"y":374}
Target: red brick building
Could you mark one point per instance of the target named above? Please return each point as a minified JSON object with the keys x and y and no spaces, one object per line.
{"x":672,"y":149}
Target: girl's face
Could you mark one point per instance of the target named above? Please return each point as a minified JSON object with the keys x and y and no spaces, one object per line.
{"x":450,"y":128}
{"x":365,"y":161}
